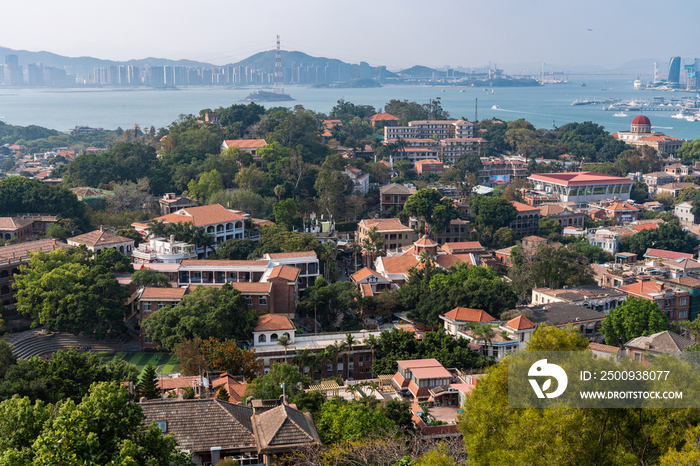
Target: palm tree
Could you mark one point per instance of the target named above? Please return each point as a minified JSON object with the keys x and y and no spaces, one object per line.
{"x":426,"y":258}
{"x":284,"y":341}
{"x":372,"y":343}
{"x":349,"y":341}
{"x":279,"y":191}
{"x":373,"y":243}
{"x":303,"y":358}
{"x":356,"y":250}
{"x":207,"y":241}
{"x":352,"y":389}
{"x":332,"y":352}
{"x":483,"y":333}
{"x":157,"y":228}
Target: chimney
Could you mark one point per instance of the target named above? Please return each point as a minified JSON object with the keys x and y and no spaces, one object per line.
{"x":172,"y":238}
{"x":101,"y":228}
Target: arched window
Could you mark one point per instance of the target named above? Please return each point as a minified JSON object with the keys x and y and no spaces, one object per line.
{"x":5,"y":290}
{"x":229,"y":226}
{"x":15,"y":271}
{"x":7,"y":236}
{"x":273,"y":337}
{"x":219,"y":228}
{"x":4,"y":274}
{"x":285,"y":334}
{"x":239,"y":225}
{"x":262,"y":339}
{"x":210,"y":230}
{"x":121,"y":249}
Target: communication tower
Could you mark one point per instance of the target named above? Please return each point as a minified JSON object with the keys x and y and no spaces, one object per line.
{"x":278,"y":76}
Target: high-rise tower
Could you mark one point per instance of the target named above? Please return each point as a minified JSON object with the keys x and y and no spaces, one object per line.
{"x":278,"y":76}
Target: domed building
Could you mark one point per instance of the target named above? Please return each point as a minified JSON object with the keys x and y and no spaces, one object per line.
{"x":640,"y":134}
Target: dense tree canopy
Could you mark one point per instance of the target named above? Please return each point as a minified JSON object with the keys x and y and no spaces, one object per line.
{"x":635,"y":317}
{"x":488,"y":214}
{"x":432,"y":291}
{"x":22,"y":195}
{"x":269,"y":386}
{"x":103,"y":428}
{"x":668,"y":237}
{"x":68,"y":374}
{"x":397,"y":345}
{"x":206,"y":312}
{"x":69,"y":292}
{"x":549,"y":266}
{"x":429,"y":205}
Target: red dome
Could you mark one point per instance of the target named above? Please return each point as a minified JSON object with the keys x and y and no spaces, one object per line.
{"x":641,"y":120}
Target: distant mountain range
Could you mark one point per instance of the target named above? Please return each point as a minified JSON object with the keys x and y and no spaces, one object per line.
{"x":265,"y":61}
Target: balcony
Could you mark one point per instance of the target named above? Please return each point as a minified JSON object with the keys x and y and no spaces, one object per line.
{"x":149,"y":255}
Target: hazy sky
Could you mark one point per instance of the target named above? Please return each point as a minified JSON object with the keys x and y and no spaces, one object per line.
{"x":395,"y":33}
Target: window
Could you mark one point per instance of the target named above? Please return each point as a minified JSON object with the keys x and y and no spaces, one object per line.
{"x":249,"y":300}
{"x":683,"y":315}
{"x":163,"y":426}
{"x":684,"y":301}
{"x":146,"y":306}
{"x":161,"y":304}
{"x":262,"y":300}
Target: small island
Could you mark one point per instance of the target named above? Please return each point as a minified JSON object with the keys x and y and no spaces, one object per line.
{"x":265,"y":96}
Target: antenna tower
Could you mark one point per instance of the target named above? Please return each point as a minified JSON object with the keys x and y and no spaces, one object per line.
{"x":278,"y":76}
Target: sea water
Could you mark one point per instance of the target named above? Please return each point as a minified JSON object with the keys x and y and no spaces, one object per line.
{"x":544,"y":106}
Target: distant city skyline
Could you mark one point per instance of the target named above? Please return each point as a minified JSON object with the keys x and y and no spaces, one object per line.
{"x":397,"y":33}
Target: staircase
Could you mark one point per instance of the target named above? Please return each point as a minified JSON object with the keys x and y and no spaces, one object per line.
{"x":34,"y":343}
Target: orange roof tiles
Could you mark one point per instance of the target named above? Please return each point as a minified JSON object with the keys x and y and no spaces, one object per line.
{"x":399,"y":264}
{"x":383,"y":117}
{"x":245,"y":143}
{"x":202,"y":215}
{"x":385,"y":224}
{"x":285,"y":272}
{"x":520,"y":323}
{"x":645,"y":226}
{"x":252,"y":287}
{"x":462,"y":245}
{"x":163,"y":293}
{"x":366,"y":289}
{"x":289,"y":255}
{"x":99,"y":237}
{"x":425,"y":241}
{"x":524,"y":207}
{"x":659,"y":138}
{"x":465,"y":314}
{"x":448,"y":260}
{"x":270,"y":322}
{"x":364,"y":273}
{"x":601,"y":347}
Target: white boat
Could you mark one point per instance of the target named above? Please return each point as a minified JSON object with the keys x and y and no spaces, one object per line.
{"x":679,"y":115}
{"x":691,"y":118}
{"x":491,"y":91}
{"x":620,"y":114}
{"x":495,"y":107}
{"x":463,"y":89}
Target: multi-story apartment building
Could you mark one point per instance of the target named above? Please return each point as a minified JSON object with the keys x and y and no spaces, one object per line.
{"x":443,"y":139}
{"x":217,"y":221}
{"x":673,"y":301}
{"x":527,"y":221}
{"x":395,"y":234}
{"x":394,"y":195}
{"x":498,"y":171}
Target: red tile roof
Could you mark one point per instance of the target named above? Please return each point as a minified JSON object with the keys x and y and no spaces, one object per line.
{"x":465,"y":314}
{"x":645,"y":226}
{"x":289,"y":255}
{"x":245,"y":143}
{"x":601,"y":347}
{"x":202,"y":216}
{"x":520,"y":323}
{"x":285,"y":272}
{"x":524,"y":207}
{"x":383,"y":117}
{"x":364,"y":273}
{"x":651,"y":252}
{"x":163,"y":293}
{"x":579,"y":178}
{"x":98,"y":237}
{"x":269,"y":322}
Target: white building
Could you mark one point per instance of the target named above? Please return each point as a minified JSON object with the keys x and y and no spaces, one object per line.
{"x":359,"y":179}
{"x":163,"y":251}
{"x":97,"y":240}
{"x":581,"y":187}
{"x":682,"y":211}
